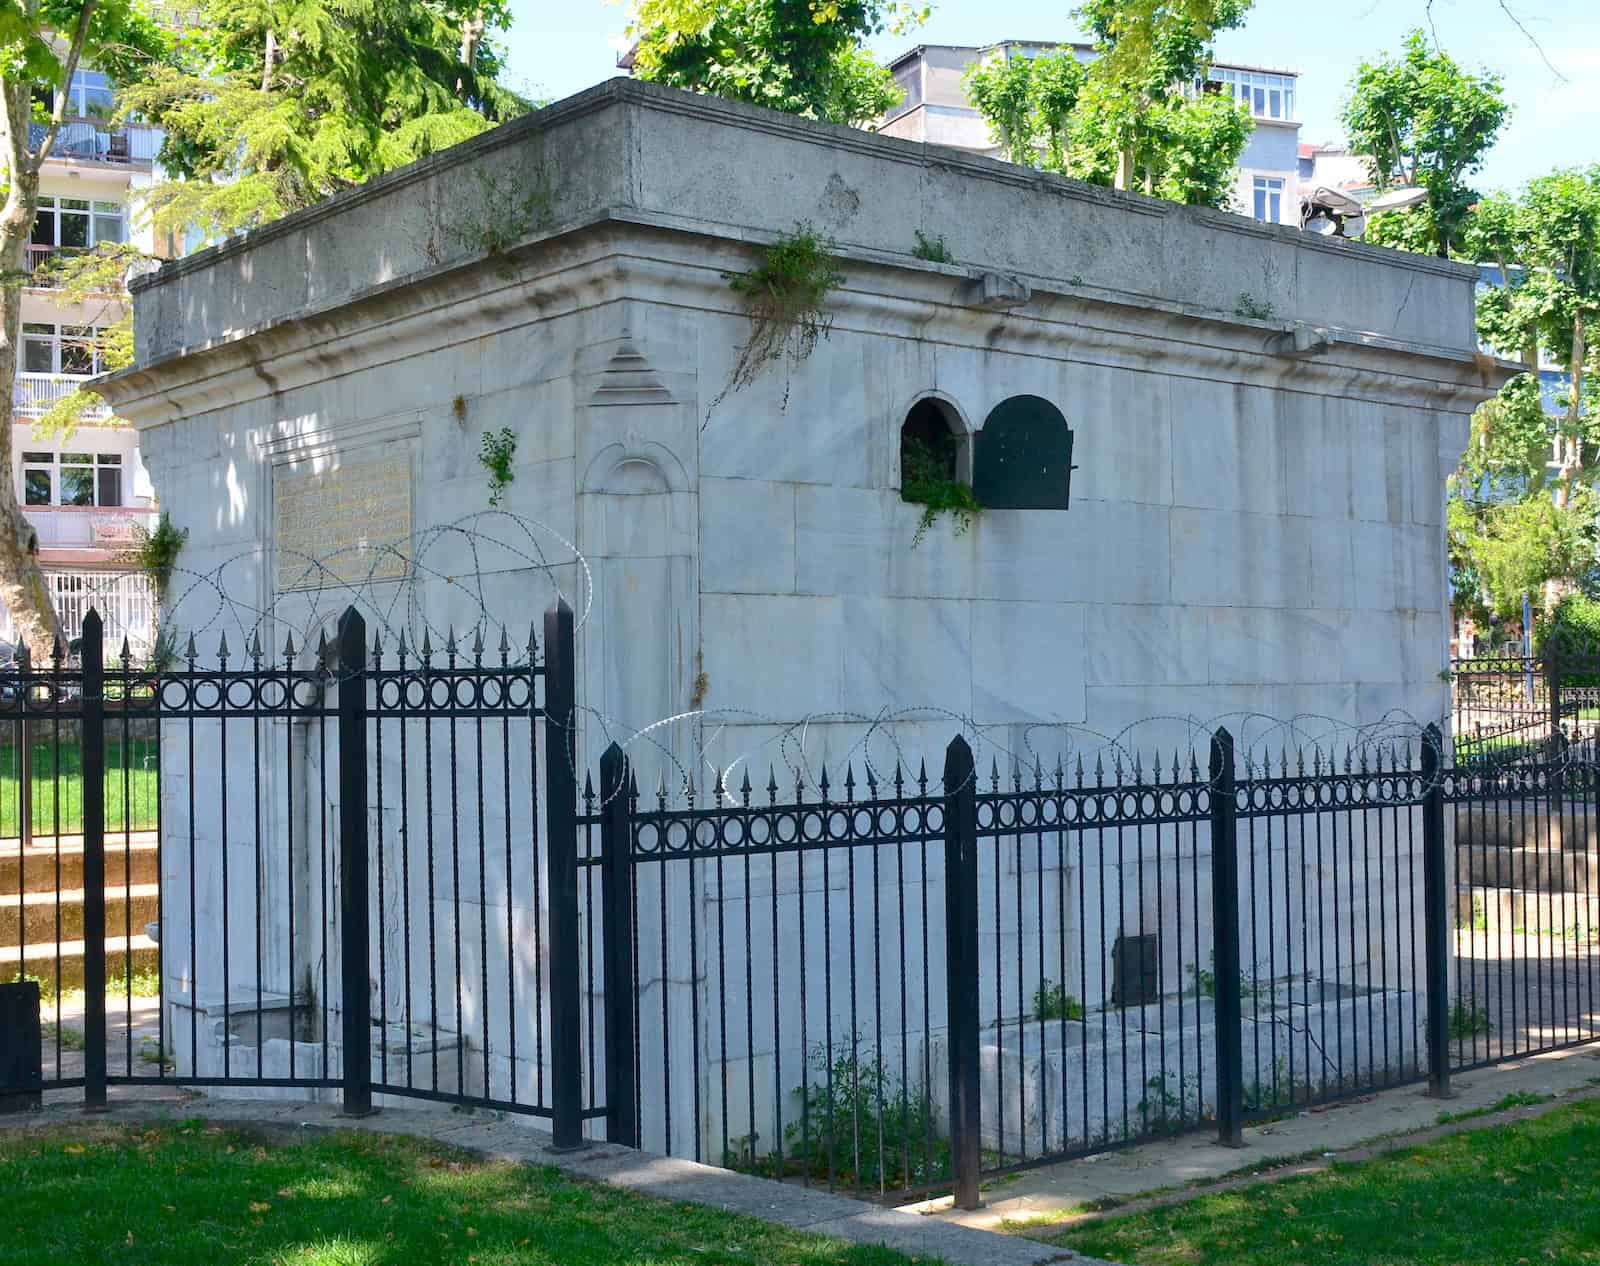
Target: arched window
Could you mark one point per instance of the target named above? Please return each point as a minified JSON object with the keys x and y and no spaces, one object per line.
{"x":932,"y":448}
{"x":1023,"y":457}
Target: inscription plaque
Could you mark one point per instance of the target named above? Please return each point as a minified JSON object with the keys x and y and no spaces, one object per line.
{"x":354,"y":520}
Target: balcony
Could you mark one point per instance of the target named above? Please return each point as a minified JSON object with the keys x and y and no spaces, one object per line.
{"x":36,"y":393}
{"x":91,"y":140}
{"x":89,"y":527}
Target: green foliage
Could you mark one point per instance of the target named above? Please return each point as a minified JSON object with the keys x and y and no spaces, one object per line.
{"x":932,"y":249}
{"x":1052,"y":1002}
{"x":1123,"y":119}
{"x":861,"y":1123}
{"x":925,"y":481}
{"x":155,"y":552}
{"x":1422,"y":120}
{"x":269,"y":108}
{"x":1478,"y":920}
{"x":498,"y":212}
{"x":1252,"y":308}
{"x":805,"y":57}
{"x":1170,"y":1105}
{"x":1572,"y":628}
{"x":786,"y":298}
{"x":1468,"y":1019}
{"x":189,"y":1193}
{"x":1476,"y":1198}
{"x":496,"y":452}
{"x":1205,"y":981}
{"x":1502,"y":550}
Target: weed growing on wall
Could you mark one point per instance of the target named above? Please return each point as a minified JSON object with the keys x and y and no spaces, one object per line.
{"x":1052,"y":1002}
{"x":786,"y":299}
{"x":925,"y":481}
{"x":1252,"y":308}
{"x":932,"y":249}
{"x":1468,"y":1020}
{"x":496,"y":452}
{"x":155,"y":552}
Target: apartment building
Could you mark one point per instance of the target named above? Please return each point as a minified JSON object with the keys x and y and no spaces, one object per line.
{"x":85,"y":493}
{"x":935,"y":109}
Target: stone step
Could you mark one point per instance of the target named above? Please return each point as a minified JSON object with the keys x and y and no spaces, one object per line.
{"x":1541,"y":869}
{"x":34,"y":869}
{"x":41,"y":962}
{"x":1528,"y":822}
{"x":37,"y":913}
{"x":1498,"y":911}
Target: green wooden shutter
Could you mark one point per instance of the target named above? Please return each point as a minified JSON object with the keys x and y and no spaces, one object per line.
{"x":1023,"y":457}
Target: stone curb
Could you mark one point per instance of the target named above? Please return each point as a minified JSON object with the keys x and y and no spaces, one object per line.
{"x":663,"y":1178}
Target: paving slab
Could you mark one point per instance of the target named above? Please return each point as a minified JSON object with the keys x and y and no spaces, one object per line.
{"x":1054,"y":1191}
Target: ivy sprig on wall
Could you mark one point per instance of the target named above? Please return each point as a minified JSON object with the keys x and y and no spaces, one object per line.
{"x":786,"y":298}
{"x":496,"y":452}
{"x":925,"y":481}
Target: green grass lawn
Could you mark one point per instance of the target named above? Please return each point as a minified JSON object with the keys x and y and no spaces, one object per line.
{"x":196,"y":1195}
{"x":130,"y":794}
{"x":1525,"y":1193}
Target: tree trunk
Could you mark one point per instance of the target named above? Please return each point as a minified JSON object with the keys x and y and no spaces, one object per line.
{"x":22,"y":584}
{"x":269,"y":60}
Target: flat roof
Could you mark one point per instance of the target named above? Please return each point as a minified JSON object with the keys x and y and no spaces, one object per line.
{"x":1076,"y":45}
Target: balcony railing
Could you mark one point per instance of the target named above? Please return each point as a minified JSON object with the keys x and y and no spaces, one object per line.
{"x":91,"y":140}
{"x":89,"y":527}
{"x":36,"y":393}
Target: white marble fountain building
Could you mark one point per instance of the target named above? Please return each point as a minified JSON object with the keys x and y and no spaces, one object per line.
{"x":1261,"y":422}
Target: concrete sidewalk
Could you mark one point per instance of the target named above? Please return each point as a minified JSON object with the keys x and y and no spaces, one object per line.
{"x":497,"y":1138}
{"x":1055,"y":1192}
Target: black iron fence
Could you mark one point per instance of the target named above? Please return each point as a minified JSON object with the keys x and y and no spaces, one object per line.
{"x":380,"y":875}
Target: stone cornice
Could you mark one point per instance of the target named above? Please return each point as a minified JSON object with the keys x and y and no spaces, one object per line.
{"x":631,"y":93}
{"x":648,"y":259}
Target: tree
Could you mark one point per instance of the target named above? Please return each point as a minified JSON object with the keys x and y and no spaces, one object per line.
{"x":42,"y":43}
{"x":805,"y":57}
{"x":277,"y":104}
{"x":1525,"y":496}
{"x":1423,"y":121}
{"x":1130,"y":118}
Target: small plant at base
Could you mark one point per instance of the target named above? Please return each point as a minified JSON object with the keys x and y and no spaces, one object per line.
{"x":1252,"y":308}
{"x":923,"y":482}
{"x":1205,"y":981}
{"x":1468,"y":1020}
{"x":862,"y":1124}
{"x":932,"y":249}
{"x":786,"y":300}
{"x":1478,"y":921}
{"x":496,"y":452}
{"x":1165,"y":1110}
{"x":1052,"y":1002}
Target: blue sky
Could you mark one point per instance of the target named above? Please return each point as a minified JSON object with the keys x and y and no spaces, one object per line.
{"x":558,"y":49}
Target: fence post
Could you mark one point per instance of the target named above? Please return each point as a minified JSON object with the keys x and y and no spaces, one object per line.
{"x":354,"y":931}
{"x":561,"y":859}
{"x":961,"y":958}
{"x":1225,"y":938}
{"x":1436,"y":910}
{"x":1552,"y":670}
{"x":616,"y":905}
{"x":94,"y":864}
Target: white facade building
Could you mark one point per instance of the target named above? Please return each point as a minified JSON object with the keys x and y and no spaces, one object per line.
{"x":84,"y":493}
{"x":935,"y":109}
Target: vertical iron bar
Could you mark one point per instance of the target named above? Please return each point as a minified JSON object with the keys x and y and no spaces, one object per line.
{"x":961,"y":949}
{"x":94,"y":866}
{"x":354,"y":940}
{"x":1225,"y":925}
{"x":561,"y":814}
{"x":1436,"y":915}
{"x":616,"y":899}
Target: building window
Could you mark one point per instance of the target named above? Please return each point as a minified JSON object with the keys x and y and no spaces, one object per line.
{"x":78,"y":223}
{"x":1269,"y":199}
{"x":62,"y":349}
{"x":72,"y":479}
{"x":1023,"y":457}
{"x":1265,"y":96}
